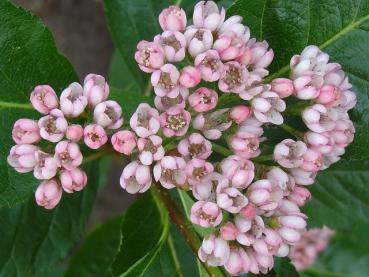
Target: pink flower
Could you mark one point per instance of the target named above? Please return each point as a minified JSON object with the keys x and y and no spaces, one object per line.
{"x":323,"y":142}
{"x":214,"y":250}
{"x":212,"y":125}
{"x":210,"y":65}
{"x":73,"y":180}
{"x":265,"y":195}
{"x":108,"y":114}
{"x":299,"y":195}
{"x":145,"y":121}
{"x":233,"y":78}
{"x":252,"y":126}
{"x":94,"y":136}
{"x":207,"y":15}
{"x":302,"y":177}
{"x":74,"y":132}
{"x":170,"y":172}
{"x":248,"y":212}
{"x":166,"y":81}
{"x":343,"y":133}
{"x":267,"y":107}
{"x":22,"y":157}
{"x":238,"y":262}
{"x":229,"y":231}
{"x":198,"y":40}
{"x":198,"y":171}
{"x":320,"y":119}
{"x":46,"y":166}
{"x":175,"y":122}
{"x":249,"y":229}
{"x":280,"y":178}
{"x":312,"y":61}
{"x":53,"y":126}
{"x":124,"y":142}
{"x":44,"y":99}
{"x":206,"y":189}
{"x":149,"y":56}
{"x":240,"y":113}
{"x":291,"y":227}
{"x":48,"y":194}
{"x":283,"y":87}
{"x":173,"y":18}
{"x":230,"y":198}
{"x":289,"y":153}
{"x":136,"y":178}
{"x":329,"y":96}
{"x":96,"y":89}
{"x":72,"y":100}
{"x":206,"y":214}
{"x":195,"y":146}
{"x":68,"y":155}
{"x":174,"y":45}
{"x":252,"y":92}
{"x":239,"y":171}
{"x":203,"y":99}
{"x":307,"y":87}
{"x":245,"y":145}
{"x":313,"y":160}
{"x":190,"y":77}
{"x":151,"y":149}
{"x":26,"y":131}
{"x":234,"y":25}
{"x":164,"y":103}
{"x":230,"y":45}
{"x":261,"y":57}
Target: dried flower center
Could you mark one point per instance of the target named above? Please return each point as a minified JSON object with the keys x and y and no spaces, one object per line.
{"x":199,"y":35}
{"x":211,"y":63}
{"x":233,"y":76}
{"x":202,"y":215}
{"x":145,"y":55}
{"x":143,"y":119}
{"x":176,"y":122}
{"x":165,"y":81}
{"x":111,"y":113}
{"x":172,"y":41}
{"x":149,"y":146}
{"x":65,"y":157}
{"x":19,"y":131}
{"x":199,"y":172}
{"x":196,"y":149}
{"x":50,"y":125}
{"x":94,"y":136}
{"x":169,"y":102}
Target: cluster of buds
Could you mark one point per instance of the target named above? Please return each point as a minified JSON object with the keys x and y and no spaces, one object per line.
{"x":50,"y":146}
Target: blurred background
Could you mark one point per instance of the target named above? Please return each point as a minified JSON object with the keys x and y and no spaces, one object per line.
{"x":81,"y":34}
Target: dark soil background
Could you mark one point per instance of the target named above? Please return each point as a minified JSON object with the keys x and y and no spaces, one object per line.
{"x":81,"y":34}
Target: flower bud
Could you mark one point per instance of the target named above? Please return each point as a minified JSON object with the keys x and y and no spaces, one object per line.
{"x":74,"y":132}
{"x":26,"y":131}
{"x":240,"y":113}
{"x":108,"y":114}
{"x":151,"y":149}
{"x":207,"y":15}
{"x":73,"y":180}
{"x":283,"y":87}
{"x":239,"y":171}
{"x":72,"y":100}
{"x":173,"y":18}
{"x":48,"y":194}
{"x":124,"y":142}
{"x":190,"y":77}
{"x":96,"y":89}
{"x":94,"y":136}
{"x":68,"y":155}
{"x":44,"y":99}
{"x":229,"y":231}
{"x":198,"y":40}
{"x":22,"y":157}
{"x":46,"y":166}
{"x":214,"y":250}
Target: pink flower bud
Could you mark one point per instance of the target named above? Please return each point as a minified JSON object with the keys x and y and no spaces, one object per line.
{"x":190,"y":77}
{"x":72,"y":100}
{"x":26,"y":131}
{"x":203,"y":100}
{"x":248,"y":212}
{"x":289,"y":153}
{"x":68,"y":155}
{"x":265,"y":195}
{"x":108,"y":114}
{"x":44,"y":99}
{"x":252,"y":126}
{"x":267,"y":107}
{"x":313,"y":161}
{"x":207,"y":15}
{"x":229,"y":231}
{"x":240,"y":113}
{"x":174,"y":45}
{"x":245,"y":145}
{"x":320,"y":119}
{"x":73,"y":180}
{"x":46,"y":166}
{"x":283,"y":87}
{"x":250,"y":229}
{"x":170,"y":172}
{"x":239,"y":171}
{"x":210,"y":65}
{"x":145,"y":121}
{"x":233,"y":78}
{"x":230,"y":198}
{"x":151,"y":149}
{"x":22,"y":157}
{"x":280,"y":178}
{"x":206,"y":214}
{"x":175,"y":122}
{"x":289,"y":235}
{"x":124,"y":142}
{"x":195,"y":146}
{"x":329,"y":96}
{"x":214,"y":250}
{"x":293,"y":221}
{"x":149,"y":56}
{"x":48,"y":194}
{"x":212,"y":125}
{"x":261,"y":57}
{"x":230,"y":45}
{"x":166,"y":81}
{"x":343,"y":133}
{"x":74,"y":132}
{"x":94,"y":136}
{"x":302,"y":177}
{"x":198,"y":171}
{"x":173,"y":18}
{"x":53,"y":126}
{"x":136,"y":178}
{"x":238,"y":262}
{"x":323,"y":142}
{"x":164,"y":103}
{"x":312,"y":61}
{"x":96,"y":89}
{"x":299,"y":195}
{"x":198,"y":40}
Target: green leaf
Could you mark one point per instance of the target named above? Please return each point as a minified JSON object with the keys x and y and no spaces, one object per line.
{"x":28,"y":57}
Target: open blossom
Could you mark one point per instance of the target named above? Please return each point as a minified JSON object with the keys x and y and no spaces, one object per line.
{"x":203,"y":99}
{"x":245,"y":145}
{"x":22,"y":157}
{"x":151,"y":149}
{"x":302,"y":177}
{"x":26,"y":131}
{"x":48,"y":194}
{"x":206,"y":189}
{"x":214,"y":250}
{"x":261,"y":55}
{"x":249,"y":229}
{"x":170,"y":172}
{"x":72,"y":100}
{"x":206,"y":214}
{"x":252,"y":126}
{"x":207,"y":15}
{"x":96,"y":89}
{"x":74,"y":132}
{"x":198,"y":171}
{"x":68,"y":155}
{"x":199,"y":40}
{"x":299,"y":195}
{"x":265,"y":195}
{"x":149,"y":56}
{"x":267,"y":107}
{"x":240,"y":113}
{"x":165,"y":102}
{"x":283,"y":87}
{"x":289,"y":153}
{"x":73,"y":180}
{"x":329,"y":96}
{"x":322,"y":142}
{"x":312,"y":160}
{"x":343,"y":133}
{"x":233,"y":78}
{"x":136,"y":178}
{"x":173,"y":18}
{"x":44,"y":99}
{"x":230,"y":198}
{"x":280,"y":178}
{"x":212,"y":125}
{"x":145,"y":121}
{"x":195,"y":146}
{"x":46,"y":166}
{"x":238,"y":261}
{"x":108,"y":114}
{"x":94,"y":136}
{"x":210,"y":65}
{"x":53,"y":126}
{"x":124,"y":142}
{"x":239,"y":171}
{"x":174,"y":45}
{"x":231,"y":43}
{"x":166,"y":81}
{"x":307,"y":87}
{"x":175,"y":121}
{"x":320,"y":119}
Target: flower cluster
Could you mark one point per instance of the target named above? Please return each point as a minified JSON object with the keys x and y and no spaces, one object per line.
{"x":58,"y":165}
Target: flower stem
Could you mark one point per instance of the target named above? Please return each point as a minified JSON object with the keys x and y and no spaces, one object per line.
{"x":97,"y":155}
{"x":297,"y":134}
{"x":221,"y":150}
